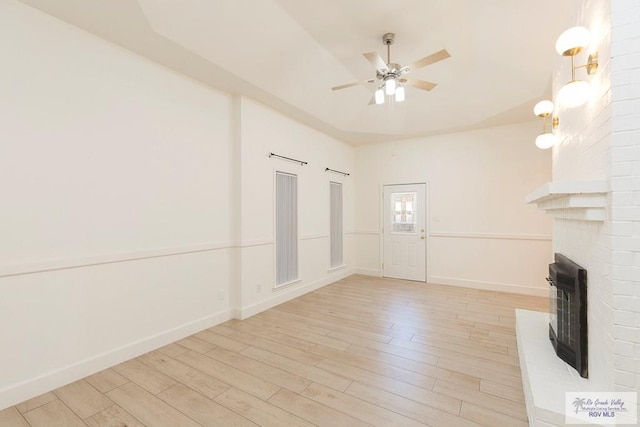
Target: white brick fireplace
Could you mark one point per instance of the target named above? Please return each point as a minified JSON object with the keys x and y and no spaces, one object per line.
{"x":594,"y":199}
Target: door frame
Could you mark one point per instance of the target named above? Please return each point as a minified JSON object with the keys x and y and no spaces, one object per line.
{"x":427,"y":221}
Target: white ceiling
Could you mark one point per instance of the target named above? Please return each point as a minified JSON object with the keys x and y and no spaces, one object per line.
{"x":289,"y":53}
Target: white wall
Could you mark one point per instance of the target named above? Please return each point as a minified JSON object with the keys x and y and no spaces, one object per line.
{"x":137,"y":204}
{"x":479,"y":231}
{"x":113,"y":241}
{"x":265,"y":131}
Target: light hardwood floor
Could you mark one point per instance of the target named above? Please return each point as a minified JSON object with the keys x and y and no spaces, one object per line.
{"x":362,"y":351}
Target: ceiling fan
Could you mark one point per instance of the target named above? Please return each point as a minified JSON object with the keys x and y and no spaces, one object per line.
{"x":391,"y":76}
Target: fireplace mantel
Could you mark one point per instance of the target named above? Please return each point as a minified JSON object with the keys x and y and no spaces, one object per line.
{"x":581,"y":200}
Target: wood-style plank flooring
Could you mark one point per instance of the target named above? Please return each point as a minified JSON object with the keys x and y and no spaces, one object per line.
{"x":362,"y":351}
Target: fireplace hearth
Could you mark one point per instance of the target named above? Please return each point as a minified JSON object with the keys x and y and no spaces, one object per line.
{"x":568,"y":320}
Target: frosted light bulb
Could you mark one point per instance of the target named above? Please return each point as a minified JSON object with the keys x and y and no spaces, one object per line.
{"x":390,"y":86}
{"x":546,"y":140}
{"x":543,"y":108}
{"x":574,"y":94}
{"x":573,"y":41}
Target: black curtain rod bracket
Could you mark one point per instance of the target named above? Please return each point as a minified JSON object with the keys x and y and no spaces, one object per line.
{"x":333,"y":170}
{"x":288,"y":158}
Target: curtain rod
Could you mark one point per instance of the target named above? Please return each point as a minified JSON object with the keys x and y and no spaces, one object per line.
{"x":333,"y":170}
{"x":288,"y":158}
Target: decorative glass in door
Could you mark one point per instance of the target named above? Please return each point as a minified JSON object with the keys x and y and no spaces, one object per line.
{"x":403,"y":215}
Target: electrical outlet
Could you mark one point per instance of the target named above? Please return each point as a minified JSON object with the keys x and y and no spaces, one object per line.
{"x":221,"y":295}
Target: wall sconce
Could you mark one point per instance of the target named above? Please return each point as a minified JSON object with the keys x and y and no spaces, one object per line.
{"x":546,"y":139}
{"x":570,"y":43}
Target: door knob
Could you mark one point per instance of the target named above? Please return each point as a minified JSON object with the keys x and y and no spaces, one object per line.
{"x":422,"y":237}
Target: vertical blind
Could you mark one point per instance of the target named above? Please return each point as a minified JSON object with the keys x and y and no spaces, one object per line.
{"x":335,"y":226}
{"x":286,"y":228}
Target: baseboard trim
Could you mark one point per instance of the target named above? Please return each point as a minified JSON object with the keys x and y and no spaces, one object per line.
{"x":285,"y":295}
{"x":368,"y":272}
{"x":33,"y":387}
{"x":490,"y":286}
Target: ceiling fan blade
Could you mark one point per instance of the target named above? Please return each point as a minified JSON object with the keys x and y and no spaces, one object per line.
{"x":352,"y":84}
{"x":427,"y":60}
{"x":346,"y":86}
{"x":420,"y":84}
{"x":376,"y":60}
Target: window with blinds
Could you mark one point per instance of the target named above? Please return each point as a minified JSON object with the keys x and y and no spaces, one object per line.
{"x":286,"y":228}
{"x":335,"y":224}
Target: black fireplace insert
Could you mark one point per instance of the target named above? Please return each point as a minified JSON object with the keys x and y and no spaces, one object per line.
{"x":568,"y":325}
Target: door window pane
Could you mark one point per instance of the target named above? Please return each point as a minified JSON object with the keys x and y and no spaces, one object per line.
{"x":403,"y":218}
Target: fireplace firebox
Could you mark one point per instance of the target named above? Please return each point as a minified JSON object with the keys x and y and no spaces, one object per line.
{"x":568,"y":325}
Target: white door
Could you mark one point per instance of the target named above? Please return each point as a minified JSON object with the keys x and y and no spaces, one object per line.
{"x":404,"y":232}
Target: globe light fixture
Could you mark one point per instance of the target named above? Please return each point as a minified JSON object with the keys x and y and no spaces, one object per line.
{"x":546,"y":139}
{"x":570,"y":43}
{"x":573,"y":41}
{"x":574,"y":94}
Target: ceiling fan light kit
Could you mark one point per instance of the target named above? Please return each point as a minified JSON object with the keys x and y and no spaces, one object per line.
{"x":379,"y":96}
{"x":390,"y":76}
{"x":390,"y":86}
